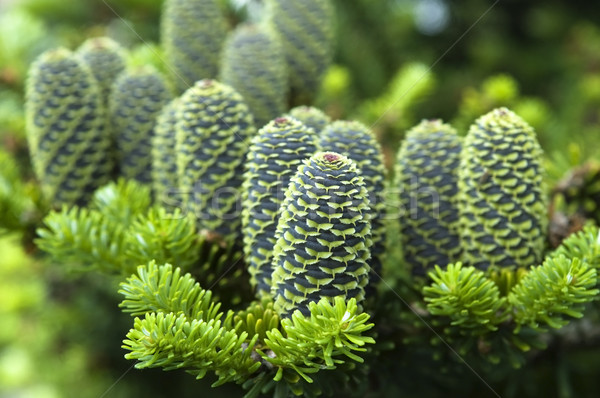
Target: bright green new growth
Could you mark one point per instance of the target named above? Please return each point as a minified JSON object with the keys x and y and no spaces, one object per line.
{"x":560,"y":287}
{"x":323,"y":235}
{"x":305,"y":29}
{"x":312,"y":117}
{"x":164,"y":157}
{"x":467,"y":297}
{"x":106,"y":59}
{"x":137,"y":98}
{"x":503,"y":205}
{"x":213,"y":129}
{"x":254,"y":65}
{"x":182,"y":327}
{"x":357,"y":142}
{"x":273,"y":158}
{"x":426,"y":180}
{"x":65,"y":120}
{"x":192,"y":35}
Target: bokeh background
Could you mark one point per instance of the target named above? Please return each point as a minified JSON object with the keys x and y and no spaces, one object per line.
{"x":395,"y":63}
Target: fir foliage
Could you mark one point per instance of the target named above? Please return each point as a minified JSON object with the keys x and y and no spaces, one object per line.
{"x":254,"y":65}
{"x":467,"y":297}
{"x":426,"y":178}
{"x":503,"y":205}
{"x":106,"y":59}
{"x":193,"y":33}
{"x":120,"y":233}
{"x":323,"y":235}
{"x":138,"y":96}
{"x":312,"y":117}
{"x":560,"y":287}
{"x":306,"y":31}
{"x":214,"y":127}
{"x":357,"y":142}
{"x":65,"y":117}
{"x":273,"y":157}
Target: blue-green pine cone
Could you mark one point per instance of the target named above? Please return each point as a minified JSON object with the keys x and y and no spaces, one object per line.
{"x":503,"y":205}
{"x":66,"y":128}
{"x":192,"y":36}
{"x":137,"y":98}
{"x":165,"y":180}
{"x":273,"y":158}
{"x":323,"y":235}
{"x":214,"y":127}
{"x":306,"y":31}
{"x":356,"y":141}
{"x":254,"y":65}
{"x":106,"y":59}
{"x":426,"y":179}
{"x":312,"y":117}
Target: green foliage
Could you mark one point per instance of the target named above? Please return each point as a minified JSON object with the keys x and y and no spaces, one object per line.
{"x":254,"y":65}
{"x":164,"y":160}
{"x":67,"y":137}
{"x":183,"y":328}
{"x":273,"y":157}
{"x":584,"y":245}
{"x":137,"y":97}
{"x":213,"y":129}
{"x":306,"y":31}
{"x":426,"y":177}
{"x":193,"y":33}
{"x":357,"y":142}
{"x":559,"y":287}
{"x":467,"y":297}
{"x":394,"y":110}
{"x":164,"y":289}
{"x":311,"y":117}
{"x":329,"y":330}
{"x":106,"y":59}
{"x":120,"y":233}
{"x":323,"y":236}
{"x":502,"y":204}
{"x":16,"y":204}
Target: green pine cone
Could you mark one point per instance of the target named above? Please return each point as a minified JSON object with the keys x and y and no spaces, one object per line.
{"x":323,"y":235}
{"x":426,"y":179}
{"x":305,"y":29}
{"x":192,"y":35}
{"x":214,"y":127}
{"x":137,"y":98}
{"x":106,"y":59}
{"x":356,"y":141}
{"x":503,"y":204}
{"x":273,"y":158}
{"x":164,"y":164}
{"x":312,"y":117}
{"x":254,"y":65}
{"x":66,"y":131}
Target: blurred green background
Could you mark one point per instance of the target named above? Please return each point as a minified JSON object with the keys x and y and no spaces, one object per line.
{"x":396,"y":62}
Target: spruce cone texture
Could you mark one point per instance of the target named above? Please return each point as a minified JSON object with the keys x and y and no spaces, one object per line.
{"x":323,"y":235}
{"x":106,"y":59}
{"x":273,"y":158}
{"x":305,"y":29}
{"x":312,"y":117}
{"x":503,"y":207}
{"x":192,"y":36}
{"x":254,"y":65}
{"x":137,"y":98}
{"x":356,"y":141}
{"x":214,"y":127}
{"x":426,"y":180}
{"x":66,"y":131}
{"x":164,"y":163}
